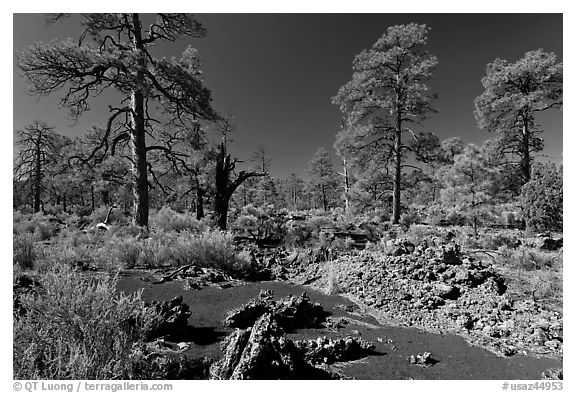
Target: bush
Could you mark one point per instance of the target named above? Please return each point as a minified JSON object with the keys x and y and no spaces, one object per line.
{"x":528,"y":258}
{"x":542,"y":199}
{"x":25,"y":252}
{"x":417,"y":233}
{"x":126,"y":251}
{"x":53,"y":210}
{"x":38,"y":224}
{"x":168,"y":220}
{"x":261,"y":223}
{"x":533,"y":273}
{"x":209,"y":248}
{"x":77,"y":327}
{"x":409,"y":218}
{"x":494,"y":242}
{"x":214,"y":248}
{"x":298,"y":233}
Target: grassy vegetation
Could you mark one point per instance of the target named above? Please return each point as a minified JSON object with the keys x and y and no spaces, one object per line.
{"x":77,"y":326}
{"x":532,"y":273}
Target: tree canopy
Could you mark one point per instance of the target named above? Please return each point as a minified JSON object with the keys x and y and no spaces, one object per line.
{"x":387,"y":93}
{"x":514,"y":93}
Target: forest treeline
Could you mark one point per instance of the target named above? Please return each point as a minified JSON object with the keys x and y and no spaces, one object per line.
{"x":164,"y":144}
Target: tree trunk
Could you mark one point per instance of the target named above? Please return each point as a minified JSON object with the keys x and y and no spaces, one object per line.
{"x":525,"y":150}
{"x":138,"y":134}
{"x":324,"y":200}
{"x":38,"y":176}
{"x":222,"y":179}
{"x":64,"y":204}
{"x":105,"y":197}
{"x":346,"y":188}
{"x":221,"y":210}
{"x":397,"y":175}
{"x":199,"y":198}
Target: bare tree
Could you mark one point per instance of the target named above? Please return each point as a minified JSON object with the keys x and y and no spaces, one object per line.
{"x":260,"y":158}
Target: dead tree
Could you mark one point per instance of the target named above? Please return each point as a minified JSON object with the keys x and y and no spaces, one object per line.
{"x":225,"y":186}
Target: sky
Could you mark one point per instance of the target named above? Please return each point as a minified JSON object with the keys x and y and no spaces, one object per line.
{"x":276,"y":74}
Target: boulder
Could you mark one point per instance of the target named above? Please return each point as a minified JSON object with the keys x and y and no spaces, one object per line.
{"x":446,"y":291}
{"x":449,"y":254}
{"x":539,"y":336}
{"x":465,"y":321}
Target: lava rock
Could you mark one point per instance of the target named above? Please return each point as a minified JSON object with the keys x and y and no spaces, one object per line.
{"x":290,"y":312}
{"x":263,"y":352}
{"x":169,"y":318}
{"x":421,"y":359}
{"x":327,"y":351}
{"x":446,"y":291}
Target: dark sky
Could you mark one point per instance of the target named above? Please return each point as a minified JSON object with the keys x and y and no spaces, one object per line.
{"x":276,"y":73}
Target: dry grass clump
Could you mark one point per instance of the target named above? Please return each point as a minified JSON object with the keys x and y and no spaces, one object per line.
{"x":76,"y":326}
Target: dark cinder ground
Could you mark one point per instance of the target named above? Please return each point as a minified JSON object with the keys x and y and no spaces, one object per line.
{"x":453,"y":357}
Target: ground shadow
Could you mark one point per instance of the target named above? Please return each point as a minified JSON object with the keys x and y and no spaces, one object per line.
{"x":197,"y":335}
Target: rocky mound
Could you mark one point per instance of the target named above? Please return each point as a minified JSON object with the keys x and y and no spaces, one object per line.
{"x":259,"y":348}
{"x":263,"y":352}
{"x":290,"y":312}
{"x":439,"y":289}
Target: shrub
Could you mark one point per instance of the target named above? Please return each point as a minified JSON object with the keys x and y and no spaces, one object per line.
{"x":318,"y":223}
{"x":77,"y":327}
{"x":53,"y":210}
{"x":417,"y":233}
{"x":82,"y":211}
{"x":528,"y":258}
{"x":38,"y":224}
{"x":409,"y":218}
{"x":214,"y":248}
{"x":298,"y":233}
{"x":494,"y":242}
{"x":167,"y":220}
{"x":126,"y":251}
{"x":261,"y":222}
{"x":542,"y":199}
{"x":25,"y":252}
